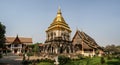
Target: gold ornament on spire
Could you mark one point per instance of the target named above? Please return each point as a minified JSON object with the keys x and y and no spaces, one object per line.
{"x":59,"y":10}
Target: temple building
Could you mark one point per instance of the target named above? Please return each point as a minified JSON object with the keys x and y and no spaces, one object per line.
{"x":58,"y":36}
{"x":58,"y":40}
{"x":18,"y":44}
{"x":85,"y":45}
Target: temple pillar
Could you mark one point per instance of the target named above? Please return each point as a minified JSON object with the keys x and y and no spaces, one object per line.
{"x":93,"y":52}
{"x":20,"y":50}
{"x":56,"y":50}
{"x":65,"y":51}
{"x":51,"y":50}
{"x":82,"y":52}
{"x":70,"y":50}
{"x":11,"y":47}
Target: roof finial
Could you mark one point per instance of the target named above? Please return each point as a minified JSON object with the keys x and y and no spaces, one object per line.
{"x":77,"y":28}
{"x":81,"y":29}
{"x":59,"y":10}
{"x":58,"y":7}
{"x":17,"y":35}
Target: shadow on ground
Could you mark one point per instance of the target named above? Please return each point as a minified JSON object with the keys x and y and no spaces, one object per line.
{"x":113,"y":62}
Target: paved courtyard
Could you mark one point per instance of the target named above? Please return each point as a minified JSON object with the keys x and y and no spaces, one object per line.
{"x":11,"y":60}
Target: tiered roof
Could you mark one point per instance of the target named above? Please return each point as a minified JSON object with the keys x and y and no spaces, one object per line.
{"x":88,"y":42}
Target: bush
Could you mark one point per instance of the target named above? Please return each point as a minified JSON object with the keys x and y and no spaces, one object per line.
{"x":80,"y":56}
{"x":25,"y":62}
{"x":30,"y":54}
{"x":109,"y":57}
{"x":24,"y":57}
{"x":47,"y":60}
{"x":102,"y":60}
{"x":63,"y":60}
{"x":0,"y":55}
{"x":38,"y":60}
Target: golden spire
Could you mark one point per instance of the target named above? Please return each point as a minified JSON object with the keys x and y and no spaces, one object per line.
{"x":59,"y":15}
{"x":59,"y":22}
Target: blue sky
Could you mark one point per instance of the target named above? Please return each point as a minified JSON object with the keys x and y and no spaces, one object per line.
{"x":100,"y":19}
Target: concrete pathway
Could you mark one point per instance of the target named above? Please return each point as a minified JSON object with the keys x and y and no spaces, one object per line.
{"x":11,"y":60}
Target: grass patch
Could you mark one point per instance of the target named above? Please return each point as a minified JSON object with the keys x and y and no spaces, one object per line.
{"x":86,"y":61}
{"x":113,"y":62}
{"x":45,"y":63}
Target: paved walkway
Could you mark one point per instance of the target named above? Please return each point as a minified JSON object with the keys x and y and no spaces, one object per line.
{"x":11,"y":60}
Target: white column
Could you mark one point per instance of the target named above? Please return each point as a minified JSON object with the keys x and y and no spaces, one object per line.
{"x":82,"y":48}
{"x":53,"y":35}
{"x":56,"y":51}
{"x":11,"y":46}
{"x":20,"y":50}
{"x":93,"y":52}
{"x":56,"y":33}
{"x":20,"y":45}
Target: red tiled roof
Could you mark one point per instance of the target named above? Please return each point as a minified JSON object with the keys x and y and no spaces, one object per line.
{"x":22,"y":39}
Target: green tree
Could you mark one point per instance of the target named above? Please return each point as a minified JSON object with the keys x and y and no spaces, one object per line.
{"x":112,"y":49}
{"x":36,"y":49}
{"x":118,"y":49}
{"x":2,"y":35}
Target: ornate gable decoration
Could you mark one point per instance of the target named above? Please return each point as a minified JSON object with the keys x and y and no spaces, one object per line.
{"x":17,"y":40}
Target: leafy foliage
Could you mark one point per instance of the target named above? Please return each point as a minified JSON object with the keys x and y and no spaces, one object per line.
{"x":36,"y":49}
{"x":112,"y":49}
{"x":63,"y":60}
{"x":2,"y":35}
{"x":102,"y":60}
